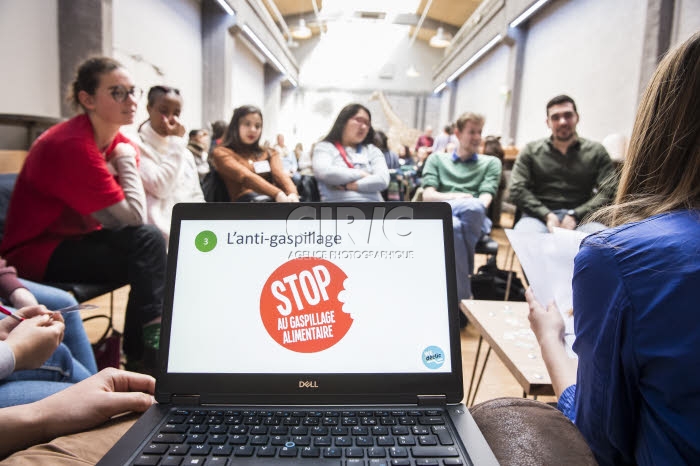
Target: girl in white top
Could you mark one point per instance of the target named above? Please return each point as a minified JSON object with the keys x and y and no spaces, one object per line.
{"x":167,"y":168}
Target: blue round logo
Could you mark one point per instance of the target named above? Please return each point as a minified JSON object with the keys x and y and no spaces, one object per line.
{"x":433,"y":357}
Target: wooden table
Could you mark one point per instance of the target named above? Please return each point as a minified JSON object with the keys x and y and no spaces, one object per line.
{"x":504,"y":326}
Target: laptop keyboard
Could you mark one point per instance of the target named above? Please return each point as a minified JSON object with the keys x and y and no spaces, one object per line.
{"x":202,"y":437}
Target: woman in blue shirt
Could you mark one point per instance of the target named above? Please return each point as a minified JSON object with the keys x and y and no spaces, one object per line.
{"x":635,"y":395}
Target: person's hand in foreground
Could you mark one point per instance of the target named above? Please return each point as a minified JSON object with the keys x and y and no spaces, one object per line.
{"x":81,"y":407}
{"x":33,"y":340}
{"x":548,"y":326}
{"x":8,"y":325}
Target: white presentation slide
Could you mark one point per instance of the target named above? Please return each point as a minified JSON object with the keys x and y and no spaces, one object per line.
{"x":274,"y":296}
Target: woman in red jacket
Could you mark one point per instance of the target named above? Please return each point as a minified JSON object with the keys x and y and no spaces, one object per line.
{"x":78,"y":209}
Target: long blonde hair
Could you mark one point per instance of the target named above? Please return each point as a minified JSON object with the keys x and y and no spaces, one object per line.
{"x":661,"y":172}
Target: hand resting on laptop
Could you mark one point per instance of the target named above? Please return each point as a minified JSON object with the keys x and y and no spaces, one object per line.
{"x":83,"y":406}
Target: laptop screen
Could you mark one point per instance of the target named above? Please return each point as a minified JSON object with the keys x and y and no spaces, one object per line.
{"x":335,"y":291}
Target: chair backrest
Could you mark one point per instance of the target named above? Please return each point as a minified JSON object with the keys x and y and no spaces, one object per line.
{"x":308,"y":189}
{"x":544,"y":435}
{"x":418,"y":196}
{"x":214,"y":188}
{"x":7,"y":184}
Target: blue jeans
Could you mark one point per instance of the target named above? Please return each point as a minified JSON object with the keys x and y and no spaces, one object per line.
{"x":469,"y":223}
{"x":59,"y":372}
{"x":529,"y":224}
{"x":75,"y":337}
{"x":72,"y":361}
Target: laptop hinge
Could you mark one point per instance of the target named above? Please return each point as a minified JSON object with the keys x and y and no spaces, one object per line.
{"x":188,"y":400}
{"x":432,"y":400}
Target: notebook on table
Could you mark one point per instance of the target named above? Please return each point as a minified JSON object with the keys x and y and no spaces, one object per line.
{"x":308,"y":334}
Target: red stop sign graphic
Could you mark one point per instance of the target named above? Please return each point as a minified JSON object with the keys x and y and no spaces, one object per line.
{"x":299,"y":305}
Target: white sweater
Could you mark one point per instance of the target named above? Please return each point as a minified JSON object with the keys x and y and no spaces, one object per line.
{"x":169,"y":176}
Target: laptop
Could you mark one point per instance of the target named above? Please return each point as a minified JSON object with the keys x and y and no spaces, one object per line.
{"x":314,"y":333}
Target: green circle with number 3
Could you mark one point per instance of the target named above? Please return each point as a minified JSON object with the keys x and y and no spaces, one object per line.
{"x":205,"y":241}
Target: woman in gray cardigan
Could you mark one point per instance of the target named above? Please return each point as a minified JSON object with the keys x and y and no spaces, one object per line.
{"x":347,"y":166}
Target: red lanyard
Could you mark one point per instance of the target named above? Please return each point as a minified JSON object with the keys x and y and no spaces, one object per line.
{"x":341,"y":149}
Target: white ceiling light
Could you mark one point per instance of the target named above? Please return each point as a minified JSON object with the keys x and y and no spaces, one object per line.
{"x":527,"y":13}
{"x":440,"y":87}
{"x":223,"y":4}
{"x":492,"y":43}
{"x":412,"y":72}
{"x":441,"y":39}
{"x":275,"y":62}
{"x":302,"y":31}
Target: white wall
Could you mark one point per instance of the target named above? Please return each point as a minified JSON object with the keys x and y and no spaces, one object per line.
{"x":288,"y":116}
{"x":433,"y":115}
{"x":316,"y":112}
{"x":481,"y":89}
{"x":166,"y":34}
{"x":346,"y":59}
{"x":687,"y":20}
{"x":444,"y":118}
{"x":591,"y":51}
{"x":272,"y":108}
{"x":29,"y":54}
{"x":247,"y":77}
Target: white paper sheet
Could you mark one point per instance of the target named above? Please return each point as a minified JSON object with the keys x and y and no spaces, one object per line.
{"x":547,"y":260}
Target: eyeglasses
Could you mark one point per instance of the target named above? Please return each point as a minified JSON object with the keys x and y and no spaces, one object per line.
{"x":361,"y":121}
{"x":120,"y":93}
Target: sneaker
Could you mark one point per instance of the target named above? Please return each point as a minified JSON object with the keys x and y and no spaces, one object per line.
{"x":151,"y":336}
{"x":151,"y":341}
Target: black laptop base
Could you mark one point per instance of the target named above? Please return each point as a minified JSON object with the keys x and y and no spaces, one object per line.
{"x":290,"y":435}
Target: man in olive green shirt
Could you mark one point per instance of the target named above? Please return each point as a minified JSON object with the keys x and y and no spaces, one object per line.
{"x":557,"y":181}
{"x":467,"y":181}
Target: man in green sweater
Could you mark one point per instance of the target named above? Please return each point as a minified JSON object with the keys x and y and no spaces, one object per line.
{"x":559,"y":180}
{"x":467,"y":181}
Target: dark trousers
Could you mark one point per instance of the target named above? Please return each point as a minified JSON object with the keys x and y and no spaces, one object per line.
{"x":133,"y":255}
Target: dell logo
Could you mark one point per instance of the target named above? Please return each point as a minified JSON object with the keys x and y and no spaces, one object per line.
{"x":308,"y":384}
